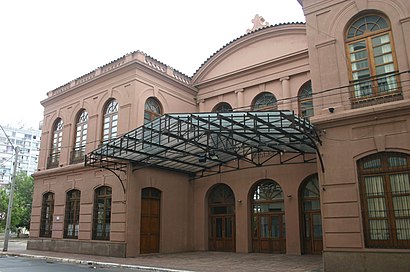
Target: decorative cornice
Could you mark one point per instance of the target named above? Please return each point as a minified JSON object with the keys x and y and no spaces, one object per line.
{"x":347,"y":117}
{"x":277,"y":29}
{"x":136,"y":56}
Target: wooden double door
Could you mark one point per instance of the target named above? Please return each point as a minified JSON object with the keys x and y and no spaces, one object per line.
{"x":150,"y":220}
{"x":221,"y":233}
{"x":311,"y":218}
{"x":269,"y":233}
{"x":313,"y":241}
{"x":221,"y":216}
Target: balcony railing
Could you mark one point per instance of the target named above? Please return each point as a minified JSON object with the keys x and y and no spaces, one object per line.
{"x":375,"y":90}
{"x":53,"y":160}
{"x":77,"y":156}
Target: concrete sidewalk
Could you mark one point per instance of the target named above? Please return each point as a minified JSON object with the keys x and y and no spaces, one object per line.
{"x":189,"y":261}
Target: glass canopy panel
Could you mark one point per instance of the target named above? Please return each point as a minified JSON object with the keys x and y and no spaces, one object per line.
{"x":197,"y":142}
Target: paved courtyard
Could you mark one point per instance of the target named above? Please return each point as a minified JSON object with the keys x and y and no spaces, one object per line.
{"x":190,"y":261}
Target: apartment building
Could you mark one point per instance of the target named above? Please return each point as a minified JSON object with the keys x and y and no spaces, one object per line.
{"x":28,"y":140}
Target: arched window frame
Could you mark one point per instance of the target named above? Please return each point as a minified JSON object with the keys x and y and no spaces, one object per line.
{"x":384,"y":185}
{"x":72,"y":214}
{"x":102,"y":213}
{"x":305,"y":100}
{"x":47,"y":213}
{"x":310,"y":212}
{"x":267,"y":191}
{"x":152,"y":109}
{"x":222,"y":107}
{"x":372,"y":61}
{"x":110,"y":122}
{"x":56,"y":144}
{"x":265,"y":101}
{"x":313,"y":196}
{"x":80,"y":138}
{"x":221,"y":218}
{"x":267,"y":201}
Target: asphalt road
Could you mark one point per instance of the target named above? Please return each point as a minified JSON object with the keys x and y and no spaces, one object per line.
{"x":17,"y":264}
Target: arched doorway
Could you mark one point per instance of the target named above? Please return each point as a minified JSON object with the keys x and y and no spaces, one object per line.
{"x":221,"y":211}
{"x":268,"y":218}
{"x":150,"y":220}
{"x":311,"y":217}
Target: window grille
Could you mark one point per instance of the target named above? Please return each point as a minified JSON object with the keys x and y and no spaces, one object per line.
{"x":373,"y":65}
{"x":385,"y":196}
{"x":72,"y":214}
{"x":56,"y":143}
{"x":110,"y":125}
{"x":102,"y":213}
{"x":47,"y":212}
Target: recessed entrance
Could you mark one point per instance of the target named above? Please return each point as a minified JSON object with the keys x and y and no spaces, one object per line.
{"x":268,"y":218}
{"x":312,"y":221}
{"x":221,"y":210}
{"x":150,"y":220}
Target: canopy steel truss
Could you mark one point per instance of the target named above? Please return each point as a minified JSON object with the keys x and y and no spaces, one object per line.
{"x":202,"y":144}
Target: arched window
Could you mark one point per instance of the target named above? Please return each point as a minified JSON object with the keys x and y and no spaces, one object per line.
{"x":77,"y":155}
{"x":384,"y":182}
{"x":221,"y":207}
{"x":110,"y":120}
{"x":264,"y":102}
{"x":372,"y":60}
{"x":305,"y":100}
{"x":57,"y":136}
{"x":222,"y":107}
{"x":152,"y":110}
{"x":72,"y":214}
{"x":268,"y":218}
{"x":47,"y":212}
{"x":311,"y":217}
{"x":102,"y":213}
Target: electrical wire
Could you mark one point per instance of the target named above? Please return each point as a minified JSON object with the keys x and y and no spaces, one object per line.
{"x":317,"y":96}
{"x":4,"y":163}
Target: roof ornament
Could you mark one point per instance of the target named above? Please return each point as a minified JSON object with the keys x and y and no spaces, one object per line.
{"x":258,"y":22}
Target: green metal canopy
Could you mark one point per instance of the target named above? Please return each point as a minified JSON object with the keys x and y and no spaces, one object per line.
{"x":201,"y":144}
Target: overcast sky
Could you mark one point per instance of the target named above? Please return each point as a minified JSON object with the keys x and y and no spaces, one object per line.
{"x":46,"y":44}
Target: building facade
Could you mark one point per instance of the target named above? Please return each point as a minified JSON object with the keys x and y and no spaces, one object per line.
{"x":143,"y":159}
{"x":359,"y":63}
{"x":28,"y":140}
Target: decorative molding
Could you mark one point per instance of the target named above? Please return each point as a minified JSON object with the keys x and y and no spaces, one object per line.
{"x":258,"y":22}
{"x":325,"y":43}
{"x":361,"y":4}
{"x":136,"y":56}
{"x":380,"y":142}
{"x":404,"y":20}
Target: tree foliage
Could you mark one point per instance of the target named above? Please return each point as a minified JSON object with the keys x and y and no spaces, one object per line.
{"x":23,"y":197}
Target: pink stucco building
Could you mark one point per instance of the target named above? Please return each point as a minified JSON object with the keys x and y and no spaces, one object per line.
{"x":291,"y":139}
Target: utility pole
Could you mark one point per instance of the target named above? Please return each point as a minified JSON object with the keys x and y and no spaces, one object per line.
{"x":13,"y":179}
{"x":8,"y":220}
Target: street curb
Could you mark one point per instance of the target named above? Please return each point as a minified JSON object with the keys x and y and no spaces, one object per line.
{"x":92,"y":263}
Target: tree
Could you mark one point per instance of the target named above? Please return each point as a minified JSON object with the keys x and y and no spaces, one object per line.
{"x":4,"y":198}
{"x":23,"y":197}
